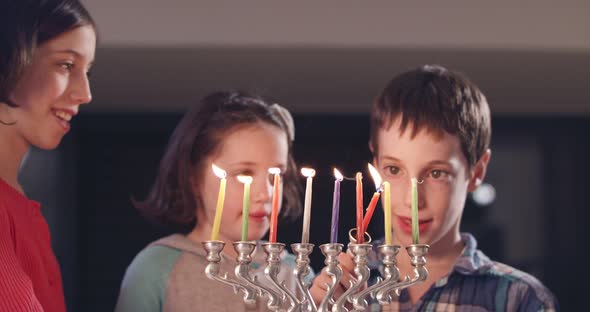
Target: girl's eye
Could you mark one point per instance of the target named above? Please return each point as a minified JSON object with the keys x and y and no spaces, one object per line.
{"x":271,"y":177}
{"x":392,"y":170}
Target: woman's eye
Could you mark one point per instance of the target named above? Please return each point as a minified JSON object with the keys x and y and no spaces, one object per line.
{"x":392,"y":170}
{"x":67,"y":66}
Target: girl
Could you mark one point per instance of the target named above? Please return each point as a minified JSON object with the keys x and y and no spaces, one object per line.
{"x":46,"y":50}
{"x":243,"y":135}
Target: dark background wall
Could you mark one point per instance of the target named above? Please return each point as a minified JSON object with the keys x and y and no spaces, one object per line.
{"x":537,"y":222}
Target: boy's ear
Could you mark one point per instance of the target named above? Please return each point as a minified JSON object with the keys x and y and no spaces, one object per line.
{"x":478,"y":172}
{"x":371,"y":147}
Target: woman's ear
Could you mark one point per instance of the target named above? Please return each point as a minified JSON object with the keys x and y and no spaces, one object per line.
{"x":478,"y":172}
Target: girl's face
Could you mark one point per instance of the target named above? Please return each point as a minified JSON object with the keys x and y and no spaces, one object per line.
{"x":52,"y":89}
{"x":249,"y":150}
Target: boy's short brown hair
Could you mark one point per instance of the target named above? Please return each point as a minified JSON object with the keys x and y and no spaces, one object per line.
{"x":434,"y":98}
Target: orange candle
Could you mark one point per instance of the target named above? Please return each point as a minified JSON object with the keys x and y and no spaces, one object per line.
{"x":276,"y":199}
{"x":359,"y":208}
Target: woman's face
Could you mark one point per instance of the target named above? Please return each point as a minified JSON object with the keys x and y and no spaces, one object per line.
{"x":52,"y":88}
{"x":250,"y":150}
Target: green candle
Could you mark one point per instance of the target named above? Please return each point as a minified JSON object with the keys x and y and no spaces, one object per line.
{"x":247,"y":180}
{"x":415,"y":229}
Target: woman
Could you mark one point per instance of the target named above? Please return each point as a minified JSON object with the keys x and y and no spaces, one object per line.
{"x":46,"y":50}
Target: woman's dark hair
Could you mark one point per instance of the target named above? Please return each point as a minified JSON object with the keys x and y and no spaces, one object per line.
{"x":26,"y":24}
{"x":172,"y":200}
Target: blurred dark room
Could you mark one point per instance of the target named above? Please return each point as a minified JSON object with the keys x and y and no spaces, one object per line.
{"x":536,"y":78}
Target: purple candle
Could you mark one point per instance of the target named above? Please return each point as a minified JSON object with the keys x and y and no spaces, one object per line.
{"x":335,"y":207}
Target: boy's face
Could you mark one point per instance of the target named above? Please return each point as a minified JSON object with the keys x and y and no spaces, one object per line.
{"x":438,"y":161}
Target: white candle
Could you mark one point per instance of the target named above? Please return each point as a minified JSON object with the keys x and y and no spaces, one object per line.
{"x":309,"y":173}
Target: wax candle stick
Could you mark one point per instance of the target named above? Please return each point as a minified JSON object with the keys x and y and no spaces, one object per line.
{"x":335,"y":207}
{"x":309,"y":173}
{"x":374,"y":199}
{"x":387,"y":212}
{"x":359,"y":208}
{"x":276,"y":199}
{"x":247,"y":180}
{"x":220,"y":198}
{"x":415,"y":228}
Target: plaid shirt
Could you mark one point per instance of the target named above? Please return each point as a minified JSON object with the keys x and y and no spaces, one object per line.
{"x":475,"y":284}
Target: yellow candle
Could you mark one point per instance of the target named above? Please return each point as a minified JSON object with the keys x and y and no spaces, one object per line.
{"x":220,"y":199}
{"x":415,"y":229}
{"x":387,"y":211}
{"x":247,"y":180}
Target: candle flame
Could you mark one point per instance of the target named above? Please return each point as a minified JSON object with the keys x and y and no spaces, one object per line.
{"x":376,"y":177}
{"x":245,"y":179}
{"x":338,"y":175}
{"x":218,"y":171}
{"x":308,"y":172}
{"x":274,"y":170}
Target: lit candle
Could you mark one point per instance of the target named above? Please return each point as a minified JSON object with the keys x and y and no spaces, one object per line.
{"x":309,"y":173}
{"x":359,"y":208}
{"x":276,"y":199}
{"x":335,"y":207}
{"x":247,"y":180}
{"x":387,"y":212}
{"x":374,"y":199}
{"x":220,"y":198}
{"x":415,"y":229}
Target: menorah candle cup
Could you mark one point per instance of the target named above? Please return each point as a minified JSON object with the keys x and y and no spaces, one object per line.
{"x":301,"y":271}
{"x":213,"y":249}
{"x":244,"y":250}
{"x":417,"y":253}
{"x":333,"y":269}
{"x":273,"y":267}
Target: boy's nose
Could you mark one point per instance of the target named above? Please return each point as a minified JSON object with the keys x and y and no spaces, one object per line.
{"x":407,"y":189}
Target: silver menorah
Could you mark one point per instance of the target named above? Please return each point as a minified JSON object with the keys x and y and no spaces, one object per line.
{"x":281,"y":298}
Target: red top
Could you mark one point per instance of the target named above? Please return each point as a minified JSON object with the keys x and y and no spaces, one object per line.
{"x":30,"y":279}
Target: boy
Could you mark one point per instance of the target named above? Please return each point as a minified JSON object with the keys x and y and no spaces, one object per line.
{"x":434,"y":125}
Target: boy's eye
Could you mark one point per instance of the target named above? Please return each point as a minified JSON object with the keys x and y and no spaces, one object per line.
{"x":392,"y":170}
{"x":437,"y":174}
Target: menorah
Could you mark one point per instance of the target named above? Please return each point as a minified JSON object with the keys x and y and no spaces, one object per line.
{"x":281,"y":298}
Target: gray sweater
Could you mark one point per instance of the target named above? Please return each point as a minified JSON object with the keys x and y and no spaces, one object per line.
{"x":169,"y":276}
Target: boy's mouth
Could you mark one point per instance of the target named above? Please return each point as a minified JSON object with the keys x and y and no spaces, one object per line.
{"x":405,"y":224}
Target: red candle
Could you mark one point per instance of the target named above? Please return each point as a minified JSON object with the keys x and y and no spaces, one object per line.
{"x":276,"y":196}
{"x":375,"y":199}
{"x":360,"y":231}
